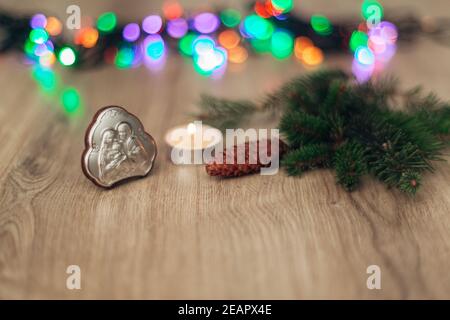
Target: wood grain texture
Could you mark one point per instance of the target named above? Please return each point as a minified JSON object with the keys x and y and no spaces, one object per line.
{"x":181,"y":234}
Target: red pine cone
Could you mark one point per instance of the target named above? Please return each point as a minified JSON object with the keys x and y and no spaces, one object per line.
{"x":230,"y":167}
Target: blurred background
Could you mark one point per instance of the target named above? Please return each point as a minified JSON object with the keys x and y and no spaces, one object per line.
{"x":250,"y":56}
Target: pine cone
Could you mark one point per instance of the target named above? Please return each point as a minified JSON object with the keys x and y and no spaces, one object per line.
{"x":229,"y":166}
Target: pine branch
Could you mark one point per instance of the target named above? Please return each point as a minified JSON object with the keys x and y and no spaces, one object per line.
{"x":308,"y":157}
{"x":410,"y":182}
{"x":331,"y":121}
{"x":301,"y":128}
{"x":306,"y":91}
{"x":350,"y":164}
{"x":224,"y":113}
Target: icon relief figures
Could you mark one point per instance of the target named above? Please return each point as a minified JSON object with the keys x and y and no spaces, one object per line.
{"x":124,"y":149}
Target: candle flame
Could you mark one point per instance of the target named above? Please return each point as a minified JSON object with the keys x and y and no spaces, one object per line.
{"x":191,"y":128}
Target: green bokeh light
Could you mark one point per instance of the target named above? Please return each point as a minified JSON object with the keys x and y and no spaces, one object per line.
{"x":45,"y":78}
{"x":70,"y":99}
{"x":258,"y":28}
{"x":124,"y":58}
{"x":38,"y":36}
{"x":230,"y":18}
{"x":29,"y":47}
{"x":321,"y":25}
{"x":107,"y":22}
{"x":358,"y":39}
{"x":282,"y":44}
{"x":261,"y":46}
{"x":283,"y":5}
{"x":185,"y":44}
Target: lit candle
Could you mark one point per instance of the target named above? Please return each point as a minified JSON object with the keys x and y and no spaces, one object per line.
{"x":189,"y":142}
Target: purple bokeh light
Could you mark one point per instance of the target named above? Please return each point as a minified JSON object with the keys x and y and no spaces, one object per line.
{"x":206,"y":22}
{"x":362,"y":72}
{"x":152,"y":24}
{"x":154,"y":52}
{"x":131,"y":32}
{"x":38,"y":21}
{"x":177,"y":28}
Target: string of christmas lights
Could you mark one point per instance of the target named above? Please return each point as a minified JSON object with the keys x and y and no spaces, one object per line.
{"x":211,"y":40}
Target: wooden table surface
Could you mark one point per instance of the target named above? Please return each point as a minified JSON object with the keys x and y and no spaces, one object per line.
{"x":181,"y":234}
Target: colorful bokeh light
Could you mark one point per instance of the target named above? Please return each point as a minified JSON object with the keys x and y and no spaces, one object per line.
{"x":203,"y":45}
{"x":124,"y":58}
{"x":53,"y":26}
{"x":208,"y":58}
{"x":301,"y":44}
{"x":230,"y":18}
{"x":177,"y":28}
{"x":257,"y":27}
{"x":131,"y":32}
{"x":45,"y":77}
{"x":312,"y":56}
{"x":38,"y":36}
{"x":47,"y":59}
{"x":154,"y":47}
{"x":107,"y":22}
{"x":282,"y":44}
{"x":206,"y":22}
{"x":358,"y":39}
{"x":186,"y":44}
{"x":364,"y":56}
{"x":229,"y":39}
{"x":261,"y":46}
{"x":283,"y":6}
{"x":70,"y":99}
{"x":172,"y":10}
{"x":38,"y":21}
{"x":152,"y":24}
{"x":67,"y":56}
{"x":321,"y":25}
{"x":237,"y":54}
{"x":86,"y":37}
{"x":261,"y":10}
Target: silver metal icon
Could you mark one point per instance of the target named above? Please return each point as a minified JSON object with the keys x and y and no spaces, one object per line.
{"x":117,"y":147}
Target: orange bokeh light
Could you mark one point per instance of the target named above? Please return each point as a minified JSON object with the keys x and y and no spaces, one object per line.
{"x":229,"y":39}
{"x":87,"y":37}
{"x":172,"y":10}
{"x":301,"y":44}
{"x":261,"y":10}
{"x":237,"y":55}
{"x":53,"y":26}
{"x":312,"y":56}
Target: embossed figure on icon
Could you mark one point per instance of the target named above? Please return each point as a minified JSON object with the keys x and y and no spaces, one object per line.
{"x":111,"y":156}
{"x":120,"y":149}
{"x":131,"y":146}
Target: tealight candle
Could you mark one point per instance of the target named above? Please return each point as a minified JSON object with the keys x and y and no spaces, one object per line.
{"x":189,"y":141}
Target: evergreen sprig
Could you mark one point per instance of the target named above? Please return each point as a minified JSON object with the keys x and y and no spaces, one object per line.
{"x":223,"y":113}
{"x":329,"y":120}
